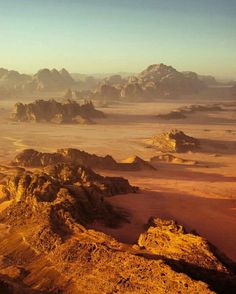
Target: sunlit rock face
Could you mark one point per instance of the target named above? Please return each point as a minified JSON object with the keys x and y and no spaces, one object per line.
{"x":56,"y":112}
{"x":45,"y":239}
{"x":189,"y":252}
{"x":174,"y":141}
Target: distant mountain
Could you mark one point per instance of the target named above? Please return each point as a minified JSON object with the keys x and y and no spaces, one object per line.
{"x":12,"y":78}
{"x":49,"y":80}
{"x":156,"y":81}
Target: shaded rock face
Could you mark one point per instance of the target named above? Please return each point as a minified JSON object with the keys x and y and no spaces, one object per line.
{"x":174,"y":141}
{"x":169,"y":158}
{"x":190,"y":251}
{"x":55,"y":112}
{"x":107,"y":92}
{"x":49,"y":80}
{"x":162,"y":80}
{"x":33,"y":158}
{"x":157,"y":81}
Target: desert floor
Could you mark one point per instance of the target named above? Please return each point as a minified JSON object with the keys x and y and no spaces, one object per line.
{"x":202,"y":197}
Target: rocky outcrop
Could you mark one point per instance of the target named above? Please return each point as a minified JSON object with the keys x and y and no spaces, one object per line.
{"x":157,"y":81}
{"x":107,"y":92}
{"x":65,"y":190}
{"x":169,"y":158}
{"x":184,"y":112}
{"x":174,"y":141}
{"x":160,"y":80}
{"x":51,"y":80}
{"x":56,"y":112}
{"x":190,"y":251}
{"x":12,"y":79}
{"x":46,"y":247}
{"x":139,"y":163}
{"x":33,"y":158}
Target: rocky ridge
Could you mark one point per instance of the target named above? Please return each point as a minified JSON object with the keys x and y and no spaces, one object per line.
{"x":56,"y":112}
{"x":33,"y":158}
{"x":46,"y":247}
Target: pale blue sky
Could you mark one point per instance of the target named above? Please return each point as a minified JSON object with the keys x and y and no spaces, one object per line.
{"x":127,"y":35}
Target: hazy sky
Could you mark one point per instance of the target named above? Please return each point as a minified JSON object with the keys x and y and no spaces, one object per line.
{"x":91,"y":36}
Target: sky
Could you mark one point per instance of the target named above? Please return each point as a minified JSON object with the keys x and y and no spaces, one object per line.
{"x":108,"y":36}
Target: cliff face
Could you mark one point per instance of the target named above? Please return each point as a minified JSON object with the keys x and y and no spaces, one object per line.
{"x":55,"y":112}
{"x":46,"y":248}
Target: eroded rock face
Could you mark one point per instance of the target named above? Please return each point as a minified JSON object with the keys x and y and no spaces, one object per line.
{"x":56,"y":112}
{"x":190,"y":251}
{"x":33,"y":158}
{"x":46,"y":247}
{"x":66,"y":189}
{"x":174,"y":141}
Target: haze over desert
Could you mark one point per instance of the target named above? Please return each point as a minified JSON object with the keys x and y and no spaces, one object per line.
{"x":118,"y":147}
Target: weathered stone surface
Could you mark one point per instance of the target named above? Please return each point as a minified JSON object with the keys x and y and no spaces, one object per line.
{"x":33,"y":158}
{"x":174,"y":141}
{"x":56,"y":112}
{"x":190,"y":252}
{"x":47,"y":248}
{"x":75,"y":189}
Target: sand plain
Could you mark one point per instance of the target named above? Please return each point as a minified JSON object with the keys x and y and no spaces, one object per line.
{"x":202,"y":197}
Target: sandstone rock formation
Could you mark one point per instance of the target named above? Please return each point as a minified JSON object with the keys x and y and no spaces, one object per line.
{"x":190,"y":251}
{"x":157,"y":81}
{"x":107,"y":92}
{"x":174,"y":141}
{"x":51,"y":80}
{"x":169,"y":158}
{"x":160,"y":80}
{"x":46,"y":247}
{"x":71,"y":190}
{"x":139,"y":163}
{"x":33,"y":158}
{"x":56,"y":112}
